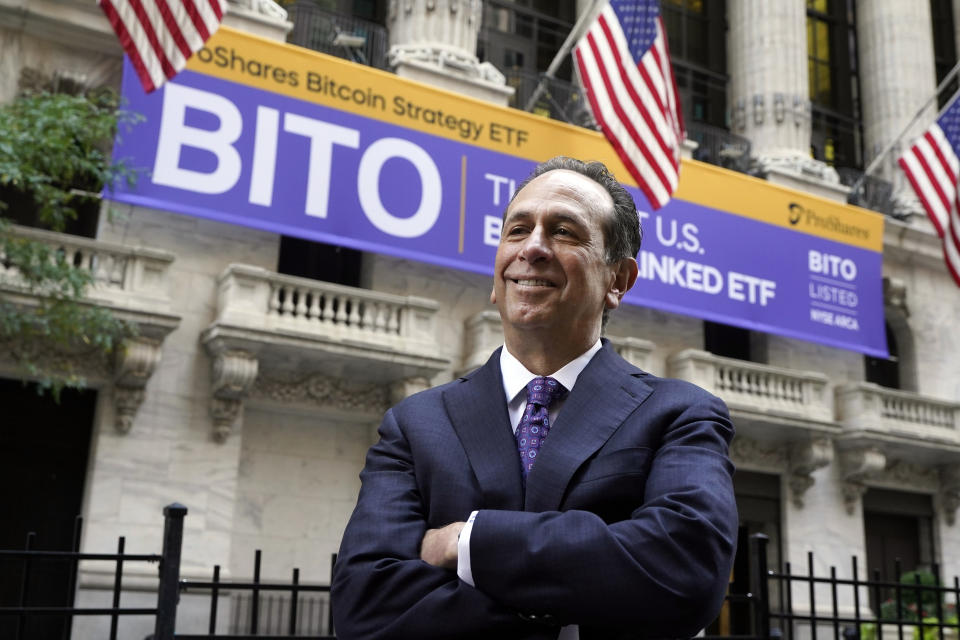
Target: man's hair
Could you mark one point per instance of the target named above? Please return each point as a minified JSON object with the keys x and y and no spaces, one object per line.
{"x":622,"y":234}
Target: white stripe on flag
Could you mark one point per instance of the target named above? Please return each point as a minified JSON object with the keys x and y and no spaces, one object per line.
{"x":609,"y":118}
{"x":633,"y":115}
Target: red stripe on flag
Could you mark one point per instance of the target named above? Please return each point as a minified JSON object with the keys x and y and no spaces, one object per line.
{"x":217,"y":9}
{"x":932,"y":177}
{"x":196,"y":19}
{"x":147,"y":27}
{"x":618,"y":109}
{"x":918,"y":189}
{"x":128,"y":46}
{"x":947,"y":169}
{"x":598,"y":114}
{"x":632,"y":91}
{"x":174,"y":28}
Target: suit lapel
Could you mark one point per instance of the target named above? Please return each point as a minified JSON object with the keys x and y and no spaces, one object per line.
{"x":478,"y":412}
{"x":604,"y":395}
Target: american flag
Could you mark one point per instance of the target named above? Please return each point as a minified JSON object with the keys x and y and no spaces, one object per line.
{"x":160,"y":35}
{"x":624,"y":66}
{"x":933,"y":168}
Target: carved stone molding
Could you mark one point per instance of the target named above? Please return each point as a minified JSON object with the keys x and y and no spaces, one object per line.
{"x":858,"y":465}
{"x":324,"y":391}
{"x":746,"y":452}
{"x":89,"y":363}
{"x":901,"y":474}
{"x":134,"y":363}
{"x":405,"y":388}
{"x":234,"y":373}
{"x":127,"y":401}
{"x":804,"y":459}
{"x":949,"y":493}
{"x":267,"y":8}
{"x":224,"y":412}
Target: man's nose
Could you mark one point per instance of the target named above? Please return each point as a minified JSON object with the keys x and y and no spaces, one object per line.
{"x":537,"y":246}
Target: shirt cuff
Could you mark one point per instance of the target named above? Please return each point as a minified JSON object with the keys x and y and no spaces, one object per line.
{"x":463,"y":551}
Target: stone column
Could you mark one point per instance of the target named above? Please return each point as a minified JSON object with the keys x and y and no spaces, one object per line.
{"x":261,"y":17}
{"x":768,"y":78}
{"x":769,"y":92}
{"x":897,"y":76}
{"x":435,"y":41}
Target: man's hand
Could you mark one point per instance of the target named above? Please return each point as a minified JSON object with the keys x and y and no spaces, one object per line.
{"x":439,"y":546}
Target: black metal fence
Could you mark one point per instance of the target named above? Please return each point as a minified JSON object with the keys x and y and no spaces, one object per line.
{"x":288,"y":610}
{"x":783,"y":604}
{"x":778,"y":604}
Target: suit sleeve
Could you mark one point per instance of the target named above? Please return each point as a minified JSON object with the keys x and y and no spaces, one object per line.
{"x":664,"y":570}
{"x":381,"y":588}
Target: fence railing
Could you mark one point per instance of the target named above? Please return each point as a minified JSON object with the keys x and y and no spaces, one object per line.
{"x":719,"y":147}
{"x":260,"y":617}
{"x":912,"y":606}
{"x":559,"y":99}
{"x":339,"y":35}
{"x":779,"y":603}
{"x":872,"y":192}
{"x":25,"y":611}
{"x":280,"y":612}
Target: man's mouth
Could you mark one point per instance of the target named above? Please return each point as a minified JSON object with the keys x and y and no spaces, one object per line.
{"x":533,"y":283}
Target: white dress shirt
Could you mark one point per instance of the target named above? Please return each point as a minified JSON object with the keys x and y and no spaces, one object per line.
{"x":515,"y":379}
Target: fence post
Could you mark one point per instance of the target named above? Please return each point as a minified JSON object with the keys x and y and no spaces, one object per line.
{"x":168,"y":592}
{"x":759,"y":587}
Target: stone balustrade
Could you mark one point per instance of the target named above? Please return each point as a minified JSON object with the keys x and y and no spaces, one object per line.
{"x":865,"y":406}
{"x":123,"y":277}
{"x":270,"y":326}
{"x":259,"y":299}
{"x":133,"y":283}
{"x":755,"y":387}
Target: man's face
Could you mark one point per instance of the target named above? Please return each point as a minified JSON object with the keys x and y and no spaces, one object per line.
{"x":550,"y":272}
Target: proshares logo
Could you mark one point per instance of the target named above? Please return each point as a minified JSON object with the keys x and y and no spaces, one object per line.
{"x":796,"y":210}
{"x":799,"y":215}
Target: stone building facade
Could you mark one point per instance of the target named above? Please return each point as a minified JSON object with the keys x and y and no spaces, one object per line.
{"x":259,"y":422}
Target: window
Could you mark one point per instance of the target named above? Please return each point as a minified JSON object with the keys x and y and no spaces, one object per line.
{"x":727,"y":341}
{"x":898,"y":527}
{"x":521,"y":38}
{"x":944,"y":46}
{"x":696,"y":33}
{"x":758,"y":504}
{"x":319,"y":261}
{"x":836,"y":136}
{"x":885,"y":371}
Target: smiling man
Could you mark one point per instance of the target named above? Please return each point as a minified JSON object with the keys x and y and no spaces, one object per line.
{"x":557,"y":491}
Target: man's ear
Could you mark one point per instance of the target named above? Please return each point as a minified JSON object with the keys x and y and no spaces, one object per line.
{"x":624,"y":275}
{"x":493,"y":295}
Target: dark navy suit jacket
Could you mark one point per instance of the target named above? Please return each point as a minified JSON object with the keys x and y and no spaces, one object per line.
{"x":627,"y":526}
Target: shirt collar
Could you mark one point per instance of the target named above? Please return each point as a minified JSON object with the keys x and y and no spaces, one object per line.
{"x":516,"y":376}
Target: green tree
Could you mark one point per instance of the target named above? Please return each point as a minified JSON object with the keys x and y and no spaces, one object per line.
{"x":54,"y":160}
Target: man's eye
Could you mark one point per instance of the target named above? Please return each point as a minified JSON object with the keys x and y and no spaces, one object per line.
{"x":517,"y":230}
{"x":563,"y":231}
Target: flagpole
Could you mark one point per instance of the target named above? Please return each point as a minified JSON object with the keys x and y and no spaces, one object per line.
{"x":855,"y":189}
{"x":564,"y":50}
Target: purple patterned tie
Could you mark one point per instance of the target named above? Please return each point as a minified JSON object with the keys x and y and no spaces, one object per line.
{"x":535,"y":423}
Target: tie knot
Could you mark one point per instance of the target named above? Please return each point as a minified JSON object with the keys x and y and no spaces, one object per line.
{"x":543,"y":391}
